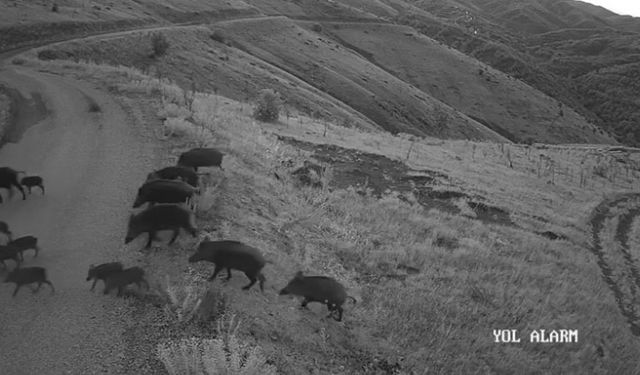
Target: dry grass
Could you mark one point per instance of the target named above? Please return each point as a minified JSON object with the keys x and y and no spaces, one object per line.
{"x":472,"y":277}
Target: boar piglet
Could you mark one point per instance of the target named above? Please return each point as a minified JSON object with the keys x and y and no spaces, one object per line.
{"x":119,"y":280}
{"x":9,"y":179}
{"x":10,"y":252}
{"x":160,"y":217}
{"x":102,"y":271}
{"x":232,"y":255}
{"x":28,"y":275}
{"x":201,"y":157}
{"x":33,"y":181}
{"x":321,"y":289}
{"x":26,"y":243}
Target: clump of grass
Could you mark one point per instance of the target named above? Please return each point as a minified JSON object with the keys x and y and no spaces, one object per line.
{"x":159,"y":44}
{"x":225,"y":355}
{"x":94,"y":107}
{"x":18,"y":61}
{"x":268,"y":106}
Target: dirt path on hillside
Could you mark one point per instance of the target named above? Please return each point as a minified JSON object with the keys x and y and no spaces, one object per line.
{"x":617,"y":266}
{"x":91,"y":164}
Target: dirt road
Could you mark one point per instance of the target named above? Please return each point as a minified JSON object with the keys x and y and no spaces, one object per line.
{"x":91,"y":164}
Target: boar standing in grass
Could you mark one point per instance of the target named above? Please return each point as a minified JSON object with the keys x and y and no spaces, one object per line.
{"x":28,"y":275}
{"x":10,"y":252}
{"x":164,"y":191}
{"x":174,"y":173}
{"x":318,"y":289}
{"x":119,"y":280}
{"x":26,"y":243}
{"x":232,"y":255}
{"x":161,"y":217}
{"x":8,"y":179}
{"x":201,"y":157}
{"x":102,"y":271}
{"x":4,"y":228}
{"x":32,"y":181}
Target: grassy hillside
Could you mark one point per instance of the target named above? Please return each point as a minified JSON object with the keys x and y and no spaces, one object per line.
{"x":439,"y":245}
{"x":504,"y":104}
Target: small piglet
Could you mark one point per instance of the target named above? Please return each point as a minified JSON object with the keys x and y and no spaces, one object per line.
{"x":10,"y":252}
{"x":28,"y":275}
{"x":321,"y":289}
{"x":32,"y":181}
{"x":232,"y":255}
{"x":119,"y":280}
{"x":26,"y":243}
{"x":102,"y":271}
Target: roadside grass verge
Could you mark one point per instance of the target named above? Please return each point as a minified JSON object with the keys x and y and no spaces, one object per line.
{"x":469,"y":278}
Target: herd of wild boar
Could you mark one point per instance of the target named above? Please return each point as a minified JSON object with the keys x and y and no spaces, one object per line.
{"x":170,"y":194}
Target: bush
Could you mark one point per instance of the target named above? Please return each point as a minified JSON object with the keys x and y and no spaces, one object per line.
{"x":159,"y":43}
{"x":268,"y":106}
{"x":54,"y":8}
{"x":218,"y":36}
{"x":223,"y":355}
{"x":316,"y":28}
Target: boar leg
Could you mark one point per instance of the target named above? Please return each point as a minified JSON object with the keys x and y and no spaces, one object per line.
{"x":152,"y":235}
{"x":228,"y":273}
{"x":253,"y":281}
{"x":51,"y":285}
{"x":145,"y":283}
{"x":16,"y":290}
{"x":216,"y":271}
{"x":42,"y":188}
{"x":176,"y":231}
{"x":95,"y":281}
{"x":304,"y":303}
{"x":37,"y":250}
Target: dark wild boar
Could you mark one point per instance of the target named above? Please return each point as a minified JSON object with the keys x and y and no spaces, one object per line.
{"x":28,"y":275}
{"x":164,"y":191}
{"x":102,"y":271}
{"x":173,"y":173}
{"x":32,"y":181}
{"x":8,"y":179}
{"x":119,"y":280}
{"x":232,"y":255}
{"x":160,"y":217}
{"x":321,"y":289}
{"x":10,"y":252}
{"x":201,"y":157}
{"x":4,"y":228}
{"x":26,"y":243}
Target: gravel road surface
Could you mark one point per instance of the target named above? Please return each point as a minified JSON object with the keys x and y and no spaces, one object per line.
{"x":92,"y":164}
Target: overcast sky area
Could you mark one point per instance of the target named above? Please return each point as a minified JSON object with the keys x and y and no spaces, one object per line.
{"x":624,"y":7}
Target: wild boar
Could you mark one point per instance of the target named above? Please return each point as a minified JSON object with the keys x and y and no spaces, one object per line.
{"x":175,"y":172}
{"x":10,"y":252}
{"x":28,"y":275}
{"x":164,"y":191}
{"x":26,"y":243}
{"x":32,"y":181}
{"x":4,"y":228}
{"x":160,"y":217}
{"x":232,"y":255}
{"x":201,"y":157}
{"x":119,"y":280}
{"x":102,"y":271}
{"x":8,"y":179}
{"x":321,"y":289}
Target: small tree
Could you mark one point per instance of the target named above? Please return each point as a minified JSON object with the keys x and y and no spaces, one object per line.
{"x":159,"y":43}
{"x":268,"y":106}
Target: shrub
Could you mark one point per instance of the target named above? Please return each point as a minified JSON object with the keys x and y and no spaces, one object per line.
{"x":218,"y":36}
{"x":224,"y":355}
{"x":268,"y":106}
{"x":316,"y":28}
{"x":54,"y":8}
{"x":159,"y":43}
